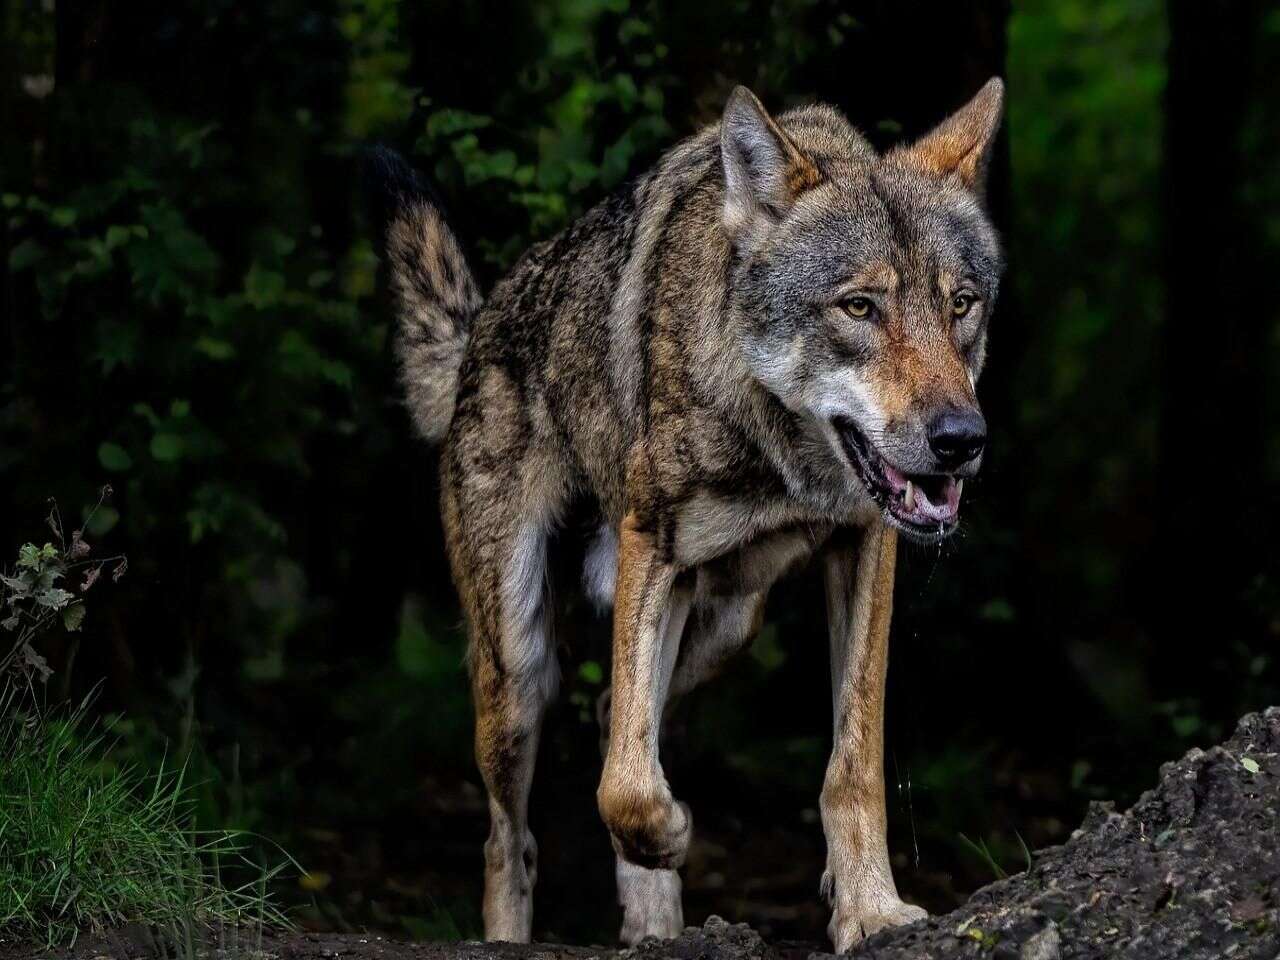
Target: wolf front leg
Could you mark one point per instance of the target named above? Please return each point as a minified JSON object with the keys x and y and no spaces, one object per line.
{"x":720,"y":627}
{"x":650,"y":829}
{"x":858,"y":881}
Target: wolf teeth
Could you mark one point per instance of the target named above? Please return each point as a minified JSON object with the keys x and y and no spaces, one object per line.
{"x":909,"y":498}
{"x":959,"y":488}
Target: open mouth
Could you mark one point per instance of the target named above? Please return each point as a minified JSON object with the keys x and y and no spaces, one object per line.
{"x":926,"y":505}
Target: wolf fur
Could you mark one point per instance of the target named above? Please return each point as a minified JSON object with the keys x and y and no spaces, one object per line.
{"x":433,"y":292}
{"x":759,"y":352}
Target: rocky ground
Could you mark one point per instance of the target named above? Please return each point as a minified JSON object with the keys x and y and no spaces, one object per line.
{"x":1190,"y":871}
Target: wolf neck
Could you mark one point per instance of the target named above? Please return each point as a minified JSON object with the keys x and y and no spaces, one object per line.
{"x":676,"y":336}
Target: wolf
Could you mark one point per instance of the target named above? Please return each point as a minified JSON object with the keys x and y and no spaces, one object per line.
{"x":759,"y":354}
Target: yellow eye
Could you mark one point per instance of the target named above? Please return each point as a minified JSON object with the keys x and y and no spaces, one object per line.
{"x":962,"y":303}
{"x":858,"y":307}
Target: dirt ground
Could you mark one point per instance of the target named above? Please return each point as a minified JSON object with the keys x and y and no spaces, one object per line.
{"x":1190,"y":871}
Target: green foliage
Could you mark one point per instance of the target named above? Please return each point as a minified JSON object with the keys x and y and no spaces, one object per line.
{"x":1085,"y":125}
{"x":283,"y":340}
{"x":34,"y":598}
{"x":87,"y":845}
{"x":569,"y":130}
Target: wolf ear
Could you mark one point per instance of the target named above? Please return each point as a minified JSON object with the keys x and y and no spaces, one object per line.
{"x":960,"y":146}
{"x":764,"y":170}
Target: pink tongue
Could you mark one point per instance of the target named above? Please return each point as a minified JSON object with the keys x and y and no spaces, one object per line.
{"x":943,"y":512}
{"x":925,"y":511}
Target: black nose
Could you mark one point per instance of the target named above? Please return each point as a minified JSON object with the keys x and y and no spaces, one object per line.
{"x":957,"y":436}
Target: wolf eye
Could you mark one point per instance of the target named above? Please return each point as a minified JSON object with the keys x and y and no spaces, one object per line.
{"x":858,"y":307}
{"x":962,"y":303}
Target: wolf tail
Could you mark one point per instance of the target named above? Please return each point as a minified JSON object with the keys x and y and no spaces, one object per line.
{"x":433,"y":293}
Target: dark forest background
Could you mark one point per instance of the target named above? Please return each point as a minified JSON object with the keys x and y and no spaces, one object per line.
{"x":189,"y":312}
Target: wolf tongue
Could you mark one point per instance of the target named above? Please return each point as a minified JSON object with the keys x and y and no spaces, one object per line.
{"x":937,"y":498}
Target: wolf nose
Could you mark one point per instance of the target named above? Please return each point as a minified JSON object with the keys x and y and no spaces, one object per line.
{"x":957,"y":436}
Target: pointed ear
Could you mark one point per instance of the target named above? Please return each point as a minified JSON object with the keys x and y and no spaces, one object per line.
{"x":764,"y":170}
{"x":960,"y":146}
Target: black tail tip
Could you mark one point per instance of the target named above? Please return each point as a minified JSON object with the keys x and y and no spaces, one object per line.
{"x":390,"y":184}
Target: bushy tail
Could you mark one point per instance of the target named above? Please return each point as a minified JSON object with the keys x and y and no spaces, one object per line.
{"x":433,"y":293}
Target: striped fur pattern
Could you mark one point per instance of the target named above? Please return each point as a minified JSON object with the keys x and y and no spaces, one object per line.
{"x":737,"y":361}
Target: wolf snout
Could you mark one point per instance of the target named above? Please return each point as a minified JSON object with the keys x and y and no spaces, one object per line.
{"x":957,"y":437}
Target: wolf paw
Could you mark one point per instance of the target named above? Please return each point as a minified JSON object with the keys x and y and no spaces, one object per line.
{"x":510,"y":873}
{"x":650,"y":903}
{"x":650,"y":830}
{"x":850,"y":927}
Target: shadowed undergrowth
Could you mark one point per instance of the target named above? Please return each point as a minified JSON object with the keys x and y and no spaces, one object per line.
{"x":85,"y":844}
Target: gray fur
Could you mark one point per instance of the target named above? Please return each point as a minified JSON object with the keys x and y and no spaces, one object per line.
{"x":724,"y":360}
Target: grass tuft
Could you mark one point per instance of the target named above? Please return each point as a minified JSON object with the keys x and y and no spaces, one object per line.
{"x":981,"y":850}
{"x":86,"y":845}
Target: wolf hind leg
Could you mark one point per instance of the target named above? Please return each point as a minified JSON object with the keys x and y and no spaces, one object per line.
{"x":498,"y":550}
{"x":509,"y":714}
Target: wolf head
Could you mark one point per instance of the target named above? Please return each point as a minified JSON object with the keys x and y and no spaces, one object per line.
{"x":862,"y":287}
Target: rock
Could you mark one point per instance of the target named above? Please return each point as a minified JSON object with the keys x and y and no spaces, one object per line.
{"x":1191,"y":870}
{"x":1045,"y":945}
{"x":717,"y":939}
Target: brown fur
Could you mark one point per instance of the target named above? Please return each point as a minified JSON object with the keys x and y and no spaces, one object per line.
{"x":682,"y":360}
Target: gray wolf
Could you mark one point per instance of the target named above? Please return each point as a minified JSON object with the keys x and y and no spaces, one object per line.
{"x":761,"y":352}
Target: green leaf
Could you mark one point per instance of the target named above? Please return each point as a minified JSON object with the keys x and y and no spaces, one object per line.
{"x":446,"y":123}
{"x":215,"y":349}
{"x":118,"y":236}
{"x":632,"y":28}
{"x":24,"y":255}
{"x":33,"y":557}
{"x":114,"y":457}
{"x":1250,"y":764}
{"x":55,"y":598}
{"x":591,"y":671}
{"x":73,"y":617}
{"x":19,"y":585}
{"x":262,"y":287}
{"x":282,"y":244}
{"x":147,"y":412}
{"x":166,"y":447}
{"x":35,"y":663}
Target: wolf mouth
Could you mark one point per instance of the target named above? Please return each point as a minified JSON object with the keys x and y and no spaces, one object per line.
{"x":925,"y":506}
